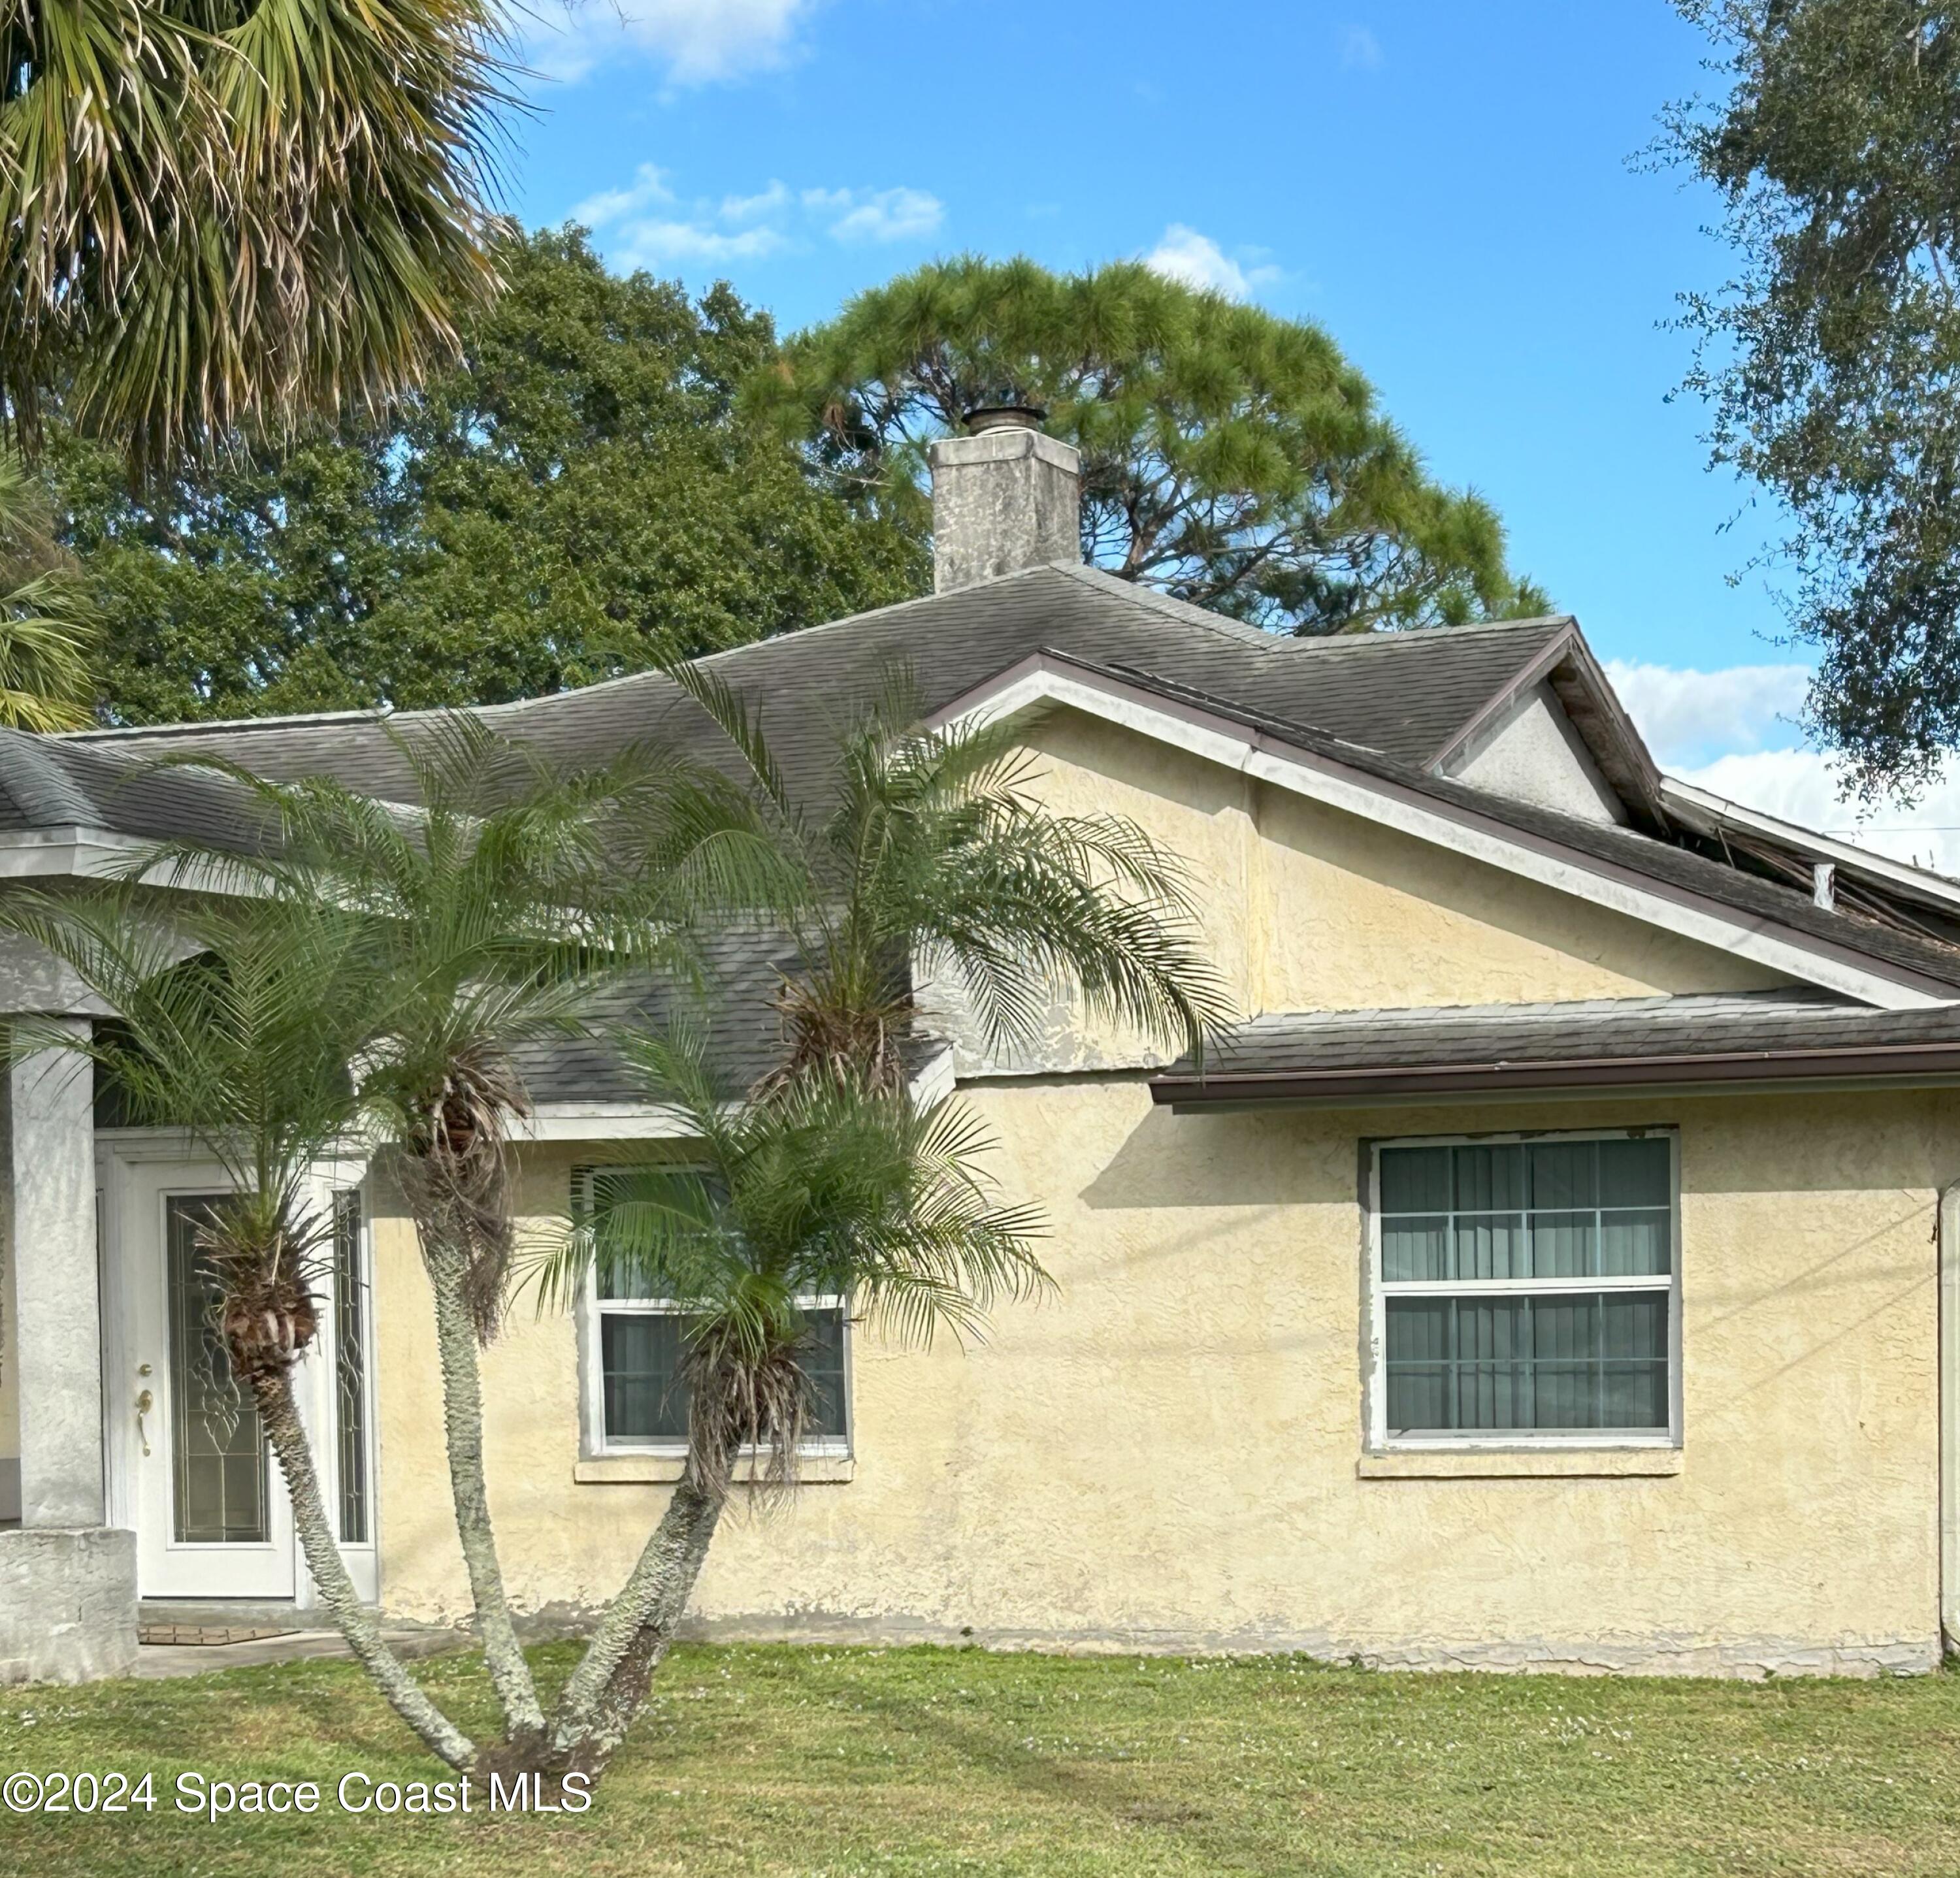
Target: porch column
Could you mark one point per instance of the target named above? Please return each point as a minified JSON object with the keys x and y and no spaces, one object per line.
{"x":57,"y":1305}
{"x":68,"y":1583}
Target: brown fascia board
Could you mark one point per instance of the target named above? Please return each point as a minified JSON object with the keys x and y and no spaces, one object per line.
{"x":1588,"y":699}
{"x":1898,"y":1065}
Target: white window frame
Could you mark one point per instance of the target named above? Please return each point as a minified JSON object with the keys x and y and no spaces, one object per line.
{"x":594,"y":1443}
{"x":1375,"y":1390}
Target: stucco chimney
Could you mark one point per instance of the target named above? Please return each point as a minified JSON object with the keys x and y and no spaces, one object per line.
{"x":1005,"y":497}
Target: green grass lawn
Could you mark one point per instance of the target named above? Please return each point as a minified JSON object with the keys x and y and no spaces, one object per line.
{"x":777,"y":1760}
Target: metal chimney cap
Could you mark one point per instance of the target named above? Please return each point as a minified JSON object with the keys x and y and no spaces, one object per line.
{"x":984,"y":417}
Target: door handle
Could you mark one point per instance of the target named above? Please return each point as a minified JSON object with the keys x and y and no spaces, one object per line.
{"x":145,"y":1403}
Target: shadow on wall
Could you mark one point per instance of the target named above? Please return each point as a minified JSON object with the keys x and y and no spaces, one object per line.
{"x":1903,"y":1142}
{"x":1243,"y":1160}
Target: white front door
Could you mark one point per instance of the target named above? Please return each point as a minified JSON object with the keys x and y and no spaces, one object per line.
{"x":212,"y":1517}
{"x":197,"y":1479}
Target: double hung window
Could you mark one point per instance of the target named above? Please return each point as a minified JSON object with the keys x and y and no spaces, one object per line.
{"x":1525,"y":1290}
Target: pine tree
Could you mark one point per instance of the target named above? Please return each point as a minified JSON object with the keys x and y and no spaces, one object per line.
{"x":1229,"y":456}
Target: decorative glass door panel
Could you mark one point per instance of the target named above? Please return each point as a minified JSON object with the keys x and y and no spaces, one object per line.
{"x":219,"y":1465}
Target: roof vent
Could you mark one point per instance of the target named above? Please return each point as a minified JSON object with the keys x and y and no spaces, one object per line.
{"x":1005,"y":497}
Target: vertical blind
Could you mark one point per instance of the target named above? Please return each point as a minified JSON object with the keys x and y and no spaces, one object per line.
{"x":1469,"y":1234}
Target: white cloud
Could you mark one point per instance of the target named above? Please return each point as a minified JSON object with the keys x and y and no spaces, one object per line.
{"x":1689,"y":717}
{"x":656,"y":244}
{"x":1198,"y":261}
{"x":697,"y":41}
{"x":744,"y":228}
{"x":770,"y":201}
{"x":890,"y":215}
{"x":1360,"y":51}
{"x":648,"y":186}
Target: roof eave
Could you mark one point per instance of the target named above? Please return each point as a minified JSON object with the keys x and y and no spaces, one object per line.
{"x":1044,"y":676}
{"x":1897,"y":1065}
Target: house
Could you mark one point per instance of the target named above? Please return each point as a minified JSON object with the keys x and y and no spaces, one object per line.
{"x":1559,"y":1269}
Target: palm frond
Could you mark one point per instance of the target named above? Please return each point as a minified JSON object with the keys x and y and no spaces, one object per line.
{"x":826,"y":1188}
{"x":232,"y":218}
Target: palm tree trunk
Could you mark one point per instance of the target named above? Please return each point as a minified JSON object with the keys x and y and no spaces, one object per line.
{"x":610,"y":1684}
{"x":463,"y":1429}
{"x":279,"y":1413}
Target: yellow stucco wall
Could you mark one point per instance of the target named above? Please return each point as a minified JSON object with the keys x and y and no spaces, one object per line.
{"x":1307,"y":907}
{"x":1165,"y":1452}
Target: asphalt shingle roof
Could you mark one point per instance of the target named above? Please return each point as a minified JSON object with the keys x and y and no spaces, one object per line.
{"x":1280,"y":1046}
{"x":731,"y":1010}
{"x":1404,"y":694}
{"x":1385,"y":704}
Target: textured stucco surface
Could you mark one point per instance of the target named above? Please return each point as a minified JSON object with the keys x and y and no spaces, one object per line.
{"x":1003,"y":502}
{"x":1307,"y":908}
{"x":1532,"y":752}
{"x":68,"y":1604}
{"x":1165,"y":1453}
{"x":48,"y":1208}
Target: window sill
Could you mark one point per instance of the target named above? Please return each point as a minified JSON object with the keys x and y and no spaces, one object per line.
{"x":814,"y":1470}
{"x":1519,"y":1463}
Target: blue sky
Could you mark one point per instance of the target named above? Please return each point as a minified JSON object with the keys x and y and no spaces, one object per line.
{"x":1452,"y":191}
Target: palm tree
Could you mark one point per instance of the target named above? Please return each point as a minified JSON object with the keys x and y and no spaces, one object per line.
{"x":223,"y":216}
{"x":932,"y":859}
{"x":236,"y":1023}
{"x":933,"y":856}
{"x":49,"y":624}
{"x":497,"y":911}
{"x":823,"y":1188}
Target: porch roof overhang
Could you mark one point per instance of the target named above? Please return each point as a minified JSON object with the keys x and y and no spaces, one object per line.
{"x":1687,"y":1045}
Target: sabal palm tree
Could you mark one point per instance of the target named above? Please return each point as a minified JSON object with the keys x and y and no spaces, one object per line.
{"x":933,"y":858}
{"x":498,"y":911}
{"x":224,"y":215}
{"x":824,"y":1187}
{"x":238,"y":1019}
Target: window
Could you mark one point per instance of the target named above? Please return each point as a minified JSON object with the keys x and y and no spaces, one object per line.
{"x":350,"y":1368}
{"x":1525,"y":1290}
{"x":636,"y":1399}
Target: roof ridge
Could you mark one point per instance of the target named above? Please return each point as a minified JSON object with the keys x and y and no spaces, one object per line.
{"x":1323,"y":644}
{"x":1191,"y":612}
{"x":108,"y":734}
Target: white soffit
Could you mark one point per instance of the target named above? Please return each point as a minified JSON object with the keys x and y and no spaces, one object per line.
{"x":1047,"y":678}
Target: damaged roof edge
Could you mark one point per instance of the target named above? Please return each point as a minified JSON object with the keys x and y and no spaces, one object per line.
{"x":1670,"y":885}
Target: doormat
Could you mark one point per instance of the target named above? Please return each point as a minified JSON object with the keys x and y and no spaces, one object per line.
{"x":209,"y":1633}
